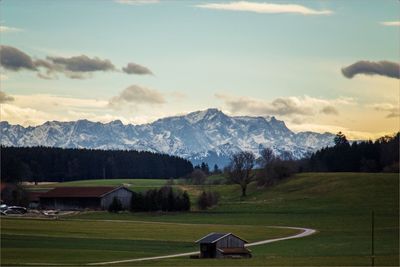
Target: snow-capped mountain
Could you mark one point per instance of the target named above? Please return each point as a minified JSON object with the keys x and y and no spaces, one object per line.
{"x":210,"y":136}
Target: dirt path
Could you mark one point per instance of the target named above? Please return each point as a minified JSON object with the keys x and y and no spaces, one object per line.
{"x":305,"y":232}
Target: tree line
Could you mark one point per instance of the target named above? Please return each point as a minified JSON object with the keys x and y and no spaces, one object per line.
{"x":268,"y":169}
{"x":67,"y":164}
{"x":366,"y":156}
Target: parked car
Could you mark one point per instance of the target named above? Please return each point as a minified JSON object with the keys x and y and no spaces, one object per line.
{"x":13,"y":210}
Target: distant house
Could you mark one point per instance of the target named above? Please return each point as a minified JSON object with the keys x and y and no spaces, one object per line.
{"x":73,"y":198}
{"x":223,"y":245}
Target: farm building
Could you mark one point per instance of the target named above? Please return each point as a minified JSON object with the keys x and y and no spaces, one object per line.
{"x":72,"y":198}
{"x":223,"y":245}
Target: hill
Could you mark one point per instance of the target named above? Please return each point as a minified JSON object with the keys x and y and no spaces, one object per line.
{"x":337,"y":205}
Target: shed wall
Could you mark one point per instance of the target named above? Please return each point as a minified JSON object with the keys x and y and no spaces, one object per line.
{"x":70,"y":203}
{"x":228,"y":242}
{"x":123,"y":194}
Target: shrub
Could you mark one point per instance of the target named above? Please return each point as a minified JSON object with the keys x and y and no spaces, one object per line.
{"x":164,"y":199}
{"x":207,"y":199}
{"x":275,"y":171}
{"x":198,"y":177}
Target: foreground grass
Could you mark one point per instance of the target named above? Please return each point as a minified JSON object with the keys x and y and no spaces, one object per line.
{"x":51,"y":241}
{"x":338,"y":205}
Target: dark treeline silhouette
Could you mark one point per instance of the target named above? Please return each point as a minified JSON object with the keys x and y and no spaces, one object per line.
{"x":366,"y":156}
{"x":57,"y":164}
{"x":163,"y":199}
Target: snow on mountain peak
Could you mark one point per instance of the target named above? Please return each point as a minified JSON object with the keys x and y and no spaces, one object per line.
{"x":207,"y":135}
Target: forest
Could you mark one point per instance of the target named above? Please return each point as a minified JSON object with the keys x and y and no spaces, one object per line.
{"x":365,"y":156}
{"x":59,"y":165}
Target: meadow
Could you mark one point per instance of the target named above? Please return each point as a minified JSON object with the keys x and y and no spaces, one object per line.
{"x":337,"y":205}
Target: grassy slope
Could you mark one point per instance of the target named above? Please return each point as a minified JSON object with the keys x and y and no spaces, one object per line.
{"x":337,"y":205}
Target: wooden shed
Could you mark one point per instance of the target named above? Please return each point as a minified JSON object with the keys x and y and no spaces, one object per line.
{"x":75,"y":198}
{"x":223,"y":245}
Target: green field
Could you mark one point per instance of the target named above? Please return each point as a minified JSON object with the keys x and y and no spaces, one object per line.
{"x":134,"y":184}
{"x":338,"y":205}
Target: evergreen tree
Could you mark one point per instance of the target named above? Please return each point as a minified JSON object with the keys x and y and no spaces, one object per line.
{"x":185,"y":201}
{"x":115,"y":205}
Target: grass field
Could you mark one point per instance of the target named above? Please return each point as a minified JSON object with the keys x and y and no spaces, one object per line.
{"x":338,"y":205}
{"x":135,"y":184}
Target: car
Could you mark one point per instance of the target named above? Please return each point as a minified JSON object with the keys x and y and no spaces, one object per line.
{"x":15,"y":210}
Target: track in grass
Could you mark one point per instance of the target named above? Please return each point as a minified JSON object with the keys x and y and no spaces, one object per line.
{"x":305,"y":232}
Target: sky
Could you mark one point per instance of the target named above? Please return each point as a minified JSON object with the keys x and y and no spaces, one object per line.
{"x":322,"y":65}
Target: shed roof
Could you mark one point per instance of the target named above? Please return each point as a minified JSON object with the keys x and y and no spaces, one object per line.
{"x":214,"y":237}
{"x":84,"y":191}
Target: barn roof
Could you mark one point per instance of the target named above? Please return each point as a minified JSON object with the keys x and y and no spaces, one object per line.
{"x":34,"y":196}
{"x":84,"y":191}
{"x":214,"y":237}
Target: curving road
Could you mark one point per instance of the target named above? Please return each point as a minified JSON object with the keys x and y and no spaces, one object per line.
{"x":305,"y":232}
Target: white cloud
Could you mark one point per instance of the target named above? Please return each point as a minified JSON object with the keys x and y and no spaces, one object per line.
{"x":136,"y":94}
{"x":266,"y":8}
{"x":3,"y":77}
{"x":23,"y":116}
{"x":5,"y":29}
{"x":391,"y":23}
{"x":291,"y":107}
{"x":394,"y":110}
{"x":322,"y":128}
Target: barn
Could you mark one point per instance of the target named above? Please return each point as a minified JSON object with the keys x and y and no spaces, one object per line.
{"x":77,"y":198}
{"x":223,"y":245}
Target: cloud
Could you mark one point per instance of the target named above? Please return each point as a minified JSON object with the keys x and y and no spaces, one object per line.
{"x":82,"y":63}
{"x":383,"y":68}
{"x":265,"y":8}
{"x":283,"y":106}
{"x":23,"y":115}
{"x":391,"y":23}
{"x":5,"y":29}
{"x":394,"y":110}
{"x":137,"y":2}
{"x":136,"y":94}
{"x":75,"y":67}
{"x":329,"y":110}
{"x":14,"y":59}
{"x":5,"y":98}
{"x":350,"y":134}
{"x":133,"y":68}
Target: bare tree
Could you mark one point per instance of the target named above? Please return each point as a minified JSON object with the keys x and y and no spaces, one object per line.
{"x":267,"y":156}
{"x":239,"y":170}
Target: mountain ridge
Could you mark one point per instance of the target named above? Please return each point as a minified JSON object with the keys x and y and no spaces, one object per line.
{"x":207,"y":135}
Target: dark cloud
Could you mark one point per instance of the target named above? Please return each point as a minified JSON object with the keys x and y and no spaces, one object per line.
{"x":77,"y":67}
{"x":5,"y":98}
{"x":14,"y":59}
{"x":384,"y":68}
{"x":329,"y":110}
{"x":136,"y":94}
{"x":82,"y":63}
{"x":133,"y":68}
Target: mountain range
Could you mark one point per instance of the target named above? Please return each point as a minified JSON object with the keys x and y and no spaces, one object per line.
{"x":209,"y":135}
